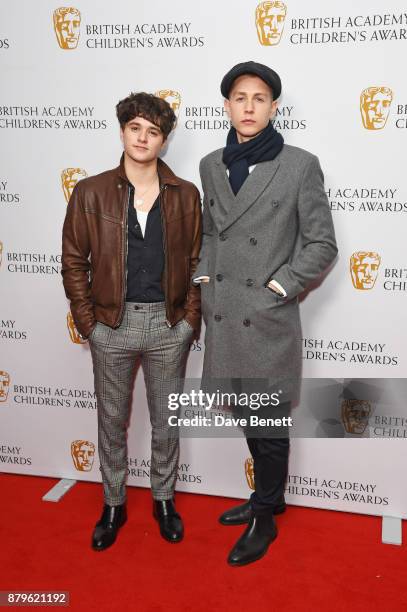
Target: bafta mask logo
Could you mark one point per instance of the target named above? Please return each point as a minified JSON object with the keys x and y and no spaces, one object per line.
{"x":355,"y":415}
{"x":69,"y":178}
{"x":67,"y":23}
{"x":249,"y":471}
{"x":73,"y":332}
{"x":270,"y":18}
{"x":4,"y":385}
{"x":172,"y":97}
{"x":1,"y":252}
{"x":83,"y":454}
{"x":364,"y":267}
{"x":375,"y":107}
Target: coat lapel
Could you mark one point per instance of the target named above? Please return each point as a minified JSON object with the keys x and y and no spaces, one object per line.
{"x":257,"y":181}
{"x":224,"y":194}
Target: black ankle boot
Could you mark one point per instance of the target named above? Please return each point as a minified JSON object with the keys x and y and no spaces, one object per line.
{"x":105,"y":532}
{"x":240,"y":515}
{"x":254,"y":542}
{"x":169,"y":521}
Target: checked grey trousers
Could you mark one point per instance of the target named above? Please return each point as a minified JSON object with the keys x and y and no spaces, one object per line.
{"x":143,"y":337}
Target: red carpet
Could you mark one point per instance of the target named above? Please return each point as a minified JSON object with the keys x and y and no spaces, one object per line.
{"x":322,"y":560}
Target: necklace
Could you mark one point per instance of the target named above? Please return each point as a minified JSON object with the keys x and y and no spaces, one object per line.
{"x":139,"y":201}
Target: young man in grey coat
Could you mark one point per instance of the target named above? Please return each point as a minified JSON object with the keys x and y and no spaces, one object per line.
{"x":267,"y":235}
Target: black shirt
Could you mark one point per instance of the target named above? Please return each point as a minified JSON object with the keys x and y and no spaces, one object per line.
{"x":145,"y":256}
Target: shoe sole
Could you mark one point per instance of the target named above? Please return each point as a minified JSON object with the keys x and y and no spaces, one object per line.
{"x":171,"y":541}
{"x":241,"y":563}
{"x":277,"y":510}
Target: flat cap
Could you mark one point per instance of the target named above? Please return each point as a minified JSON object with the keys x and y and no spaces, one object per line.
{"x":268,"y":75}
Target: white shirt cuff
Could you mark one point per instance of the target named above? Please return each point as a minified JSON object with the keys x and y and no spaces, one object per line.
{"x":279,"y":287}
{"x":199,"y":279}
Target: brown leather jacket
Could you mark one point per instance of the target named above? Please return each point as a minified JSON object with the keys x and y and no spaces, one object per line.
{"x":94,"y":248}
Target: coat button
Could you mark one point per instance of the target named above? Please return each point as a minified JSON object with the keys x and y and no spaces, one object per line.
{"x":250,"y":282}
{"x":218,"y":318}
{"x":119,"y":185}
{"x":223,"y":237}
{"x":253,"y":241}
{"x":219,"y":277}
{"x":211,"y":202}
{"x":246,"y":322}
{"x":136,"y":307}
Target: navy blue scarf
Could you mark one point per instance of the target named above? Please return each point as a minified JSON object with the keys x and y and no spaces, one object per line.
{"x":238,"y":157}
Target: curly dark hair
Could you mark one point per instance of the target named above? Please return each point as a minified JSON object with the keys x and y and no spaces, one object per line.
{"x":148,"y":106}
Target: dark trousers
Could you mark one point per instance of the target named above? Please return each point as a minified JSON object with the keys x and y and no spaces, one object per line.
{"x":269,"y":448}
{"x":270,"y":462}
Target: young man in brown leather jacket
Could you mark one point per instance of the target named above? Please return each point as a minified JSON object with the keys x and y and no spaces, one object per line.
{"x":131,"y":241}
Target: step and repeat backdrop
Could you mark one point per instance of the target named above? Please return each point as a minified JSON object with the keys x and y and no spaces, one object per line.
{"x":344,"y":98}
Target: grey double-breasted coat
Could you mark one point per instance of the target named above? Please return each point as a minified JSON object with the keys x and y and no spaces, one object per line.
{"x":279,"y":226}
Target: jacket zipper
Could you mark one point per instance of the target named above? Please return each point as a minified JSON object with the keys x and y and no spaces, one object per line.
{"x":162,"y":214}
{"x":126,"y":242}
